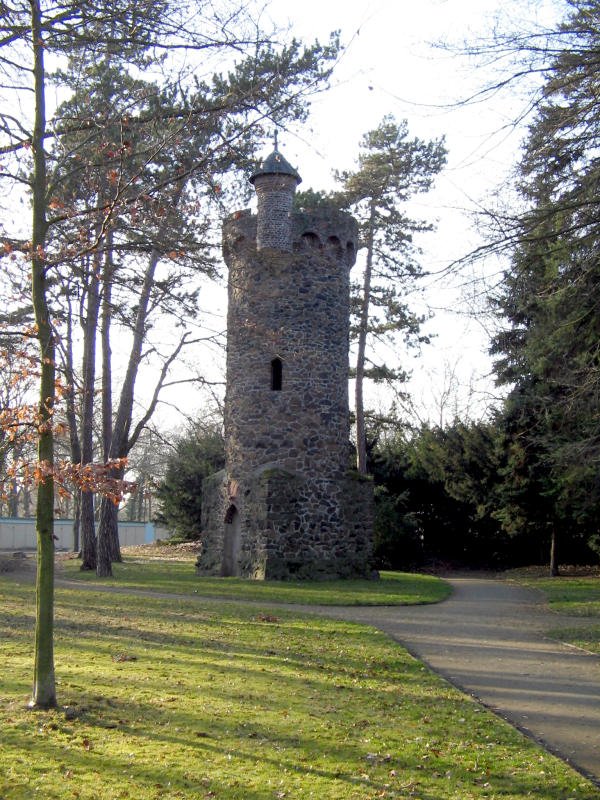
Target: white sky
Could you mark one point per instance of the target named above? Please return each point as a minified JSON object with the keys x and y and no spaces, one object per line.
{"x":391,"y":65}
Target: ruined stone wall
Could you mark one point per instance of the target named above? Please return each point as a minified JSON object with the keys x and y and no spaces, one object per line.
{"x":215,"y":502}
{"x":283,"y":533}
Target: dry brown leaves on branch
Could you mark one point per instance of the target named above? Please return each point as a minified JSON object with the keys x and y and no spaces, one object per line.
{"x":67,"y":476}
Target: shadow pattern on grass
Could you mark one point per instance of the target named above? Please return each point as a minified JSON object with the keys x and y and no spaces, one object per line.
{"x":214,"y":702}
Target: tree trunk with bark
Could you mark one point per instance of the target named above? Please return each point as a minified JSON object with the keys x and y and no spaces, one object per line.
{"x":361,"y":434}
{"x":108,"y":530}
{"x":76,"y":521}
{"x":88,"y":527}
{"x":554,"y":568}
{"x":74,"y":441}
{"x":106,"y":348}
{"x":44,"y":687}
{"x":120,"y":442}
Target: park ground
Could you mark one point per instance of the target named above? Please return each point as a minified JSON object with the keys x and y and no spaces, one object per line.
{"x":192,"y":695}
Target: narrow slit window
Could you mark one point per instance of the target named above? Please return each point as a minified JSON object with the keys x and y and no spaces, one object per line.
{"x":276,"y":374}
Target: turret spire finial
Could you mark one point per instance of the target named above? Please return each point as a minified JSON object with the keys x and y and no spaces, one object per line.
{"x":275,"y":145}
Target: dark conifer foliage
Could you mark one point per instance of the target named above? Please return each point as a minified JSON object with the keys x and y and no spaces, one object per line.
{"x":550,"y":349}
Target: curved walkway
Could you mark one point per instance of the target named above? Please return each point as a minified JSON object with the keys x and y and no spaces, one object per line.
{"x":488,"y":640}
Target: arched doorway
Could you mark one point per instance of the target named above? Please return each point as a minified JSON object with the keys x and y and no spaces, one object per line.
{"x":230,"y":565}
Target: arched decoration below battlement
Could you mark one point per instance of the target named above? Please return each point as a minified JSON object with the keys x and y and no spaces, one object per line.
{"x":334,"y":246}
{"x":310,"y":241}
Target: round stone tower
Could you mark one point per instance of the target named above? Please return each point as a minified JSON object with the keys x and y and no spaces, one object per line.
{"x":286,"y":504}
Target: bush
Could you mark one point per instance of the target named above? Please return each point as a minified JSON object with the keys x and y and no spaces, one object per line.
{"x":198,"y":453}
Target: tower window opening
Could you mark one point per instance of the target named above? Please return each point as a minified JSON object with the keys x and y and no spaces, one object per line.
{"x":276,"y":374}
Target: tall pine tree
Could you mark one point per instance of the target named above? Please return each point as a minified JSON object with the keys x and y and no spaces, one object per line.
{"x":550,"y":350}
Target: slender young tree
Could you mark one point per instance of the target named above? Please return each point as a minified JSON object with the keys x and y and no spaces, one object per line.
{"x":391,"y":168}
{"x":44,"y":689}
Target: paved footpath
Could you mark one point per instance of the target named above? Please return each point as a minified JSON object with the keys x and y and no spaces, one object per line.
{"x":488,"y":640}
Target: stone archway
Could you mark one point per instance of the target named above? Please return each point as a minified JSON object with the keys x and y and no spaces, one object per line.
{"x":230,"y":565}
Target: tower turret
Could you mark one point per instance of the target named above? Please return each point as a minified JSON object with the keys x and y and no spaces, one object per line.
{"x":275,"y":183}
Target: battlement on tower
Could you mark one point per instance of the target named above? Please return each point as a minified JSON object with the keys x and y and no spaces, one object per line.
{"x":330,"y":233}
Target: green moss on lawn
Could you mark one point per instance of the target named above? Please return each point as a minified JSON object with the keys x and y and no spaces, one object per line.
{"x":179,"y":698}
{"x":587,"y":637}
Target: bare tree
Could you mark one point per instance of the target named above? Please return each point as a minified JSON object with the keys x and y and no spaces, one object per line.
{"x":31,"y":33}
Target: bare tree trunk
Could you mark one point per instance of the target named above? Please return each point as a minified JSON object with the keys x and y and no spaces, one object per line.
{"x":88,"y":528}
{"x":120,"y":443}
{"x":554,"y":569}
{"x":26,"y":502}
{"x":13,"y":499}
{"x":107,"y":420}
{"x":44,"y":685}
{"x":108,"y":533}
{"x":74,"y":442}
{"x":361,"y":435}
{"x":76,"y":520}
{"x":139,"y":501}
{"x":108,"y":529}
{"x":112,"y":528}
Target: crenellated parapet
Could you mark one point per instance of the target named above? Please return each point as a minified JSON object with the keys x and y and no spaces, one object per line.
{"x":334,"y":235}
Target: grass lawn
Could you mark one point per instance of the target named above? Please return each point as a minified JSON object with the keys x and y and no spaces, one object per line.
{"x":186,"y":698}
{"x":178,"y":577}
{"x":577,"y":596}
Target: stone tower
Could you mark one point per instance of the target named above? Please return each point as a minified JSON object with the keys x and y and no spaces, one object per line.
{"x":287,"y":504}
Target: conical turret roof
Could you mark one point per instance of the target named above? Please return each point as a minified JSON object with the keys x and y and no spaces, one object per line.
{"x":275,"y":164}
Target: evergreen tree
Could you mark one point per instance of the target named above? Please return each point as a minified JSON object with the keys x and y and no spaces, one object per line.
{"x":549,"y":298}
{"x":198,"y":453}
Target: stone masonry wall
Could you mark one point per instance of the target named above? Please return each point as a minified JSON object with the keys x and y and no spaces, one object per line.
{"x":275,"y":199}
{"x":287,"y":449}
{"x":282,"y":535}
{"x":295,"y":307}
